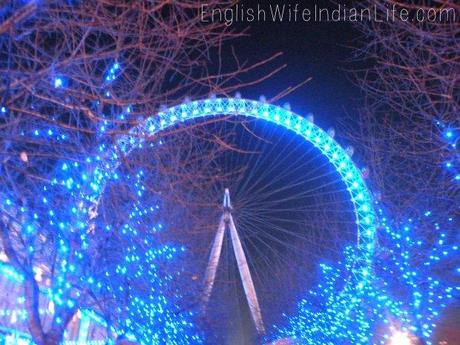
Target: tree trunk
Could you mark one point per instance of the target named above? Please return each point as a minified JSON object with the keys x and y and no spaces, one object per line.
{"x":32,"y":301}
{"x":32,"y":295}
{"x":53,"y":338}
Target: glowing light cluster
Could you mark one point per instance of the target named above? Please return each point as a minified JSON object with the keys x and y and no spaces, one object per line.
{"x":338,"y":310}
{"x":400,"y":338}
{"x":132,"y":274}
{"x":129,"y":278}
{"x":64,"y":210}
{"x":403,"y":294}
{"x":419,"y":270}
{"x":113,"y":72}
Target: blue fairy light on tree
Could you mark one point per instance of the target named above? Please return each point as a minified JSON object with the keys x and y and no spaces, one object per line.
{"x":341,"y":310}
{"x":417,"y":261}
{"x":136,"y":272}
{"x":412,"y":283}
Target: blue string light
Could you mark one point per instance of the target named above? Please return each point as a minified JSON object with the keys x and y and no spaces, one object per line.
{"x":403,"y":296}
{"x":113,"y":72}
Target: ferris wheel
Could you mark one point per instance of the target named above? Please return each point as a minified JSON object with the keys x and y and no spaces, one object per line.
{"x":267,"y":195}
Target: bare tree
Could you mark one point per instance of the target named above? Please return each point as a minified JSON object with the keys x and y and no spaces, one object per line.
{"x":409,"y":73}
{"x":75,"y":76}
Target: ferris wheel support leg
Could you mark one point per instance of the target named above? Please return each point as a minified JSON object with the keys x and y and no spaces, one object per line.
{"x":214,"y":257}
{"x":246,"y":278}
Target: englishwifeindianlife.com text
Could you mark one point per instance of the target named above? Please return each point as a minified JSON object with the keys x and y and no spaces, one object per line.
{"x":295,"y":12}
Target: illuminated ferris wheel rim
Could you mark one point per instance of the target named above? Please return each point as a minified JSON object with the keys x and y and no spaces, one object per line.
{"x":322,"y":140}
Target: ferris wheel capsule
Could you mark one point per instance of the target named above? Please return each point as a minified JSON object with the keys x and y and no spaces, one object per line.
{"x":350,"y":150}
{"x":365,"y":172}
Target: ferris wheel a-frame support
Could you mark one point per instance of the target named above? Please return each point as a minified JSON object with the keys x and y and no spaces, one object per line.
{"x":226,"y":221}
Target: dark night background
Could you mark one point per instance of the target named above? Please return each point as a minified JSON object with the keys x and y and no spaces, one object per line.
{"x":317,"y":50}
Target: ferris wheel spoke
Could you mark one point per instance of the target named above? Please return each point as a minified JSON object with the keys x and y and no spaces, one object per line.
{"x":268,"y":172}
{"x":274,"y":205}
{"x":260,"y":238}
{"x":295,"y":186}
{"x":265,"y":229}
{"x":293,"y":168}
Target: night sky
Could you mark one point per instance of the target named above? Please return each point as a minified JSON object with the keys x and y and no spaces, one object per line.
{"x":317,"y":50}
